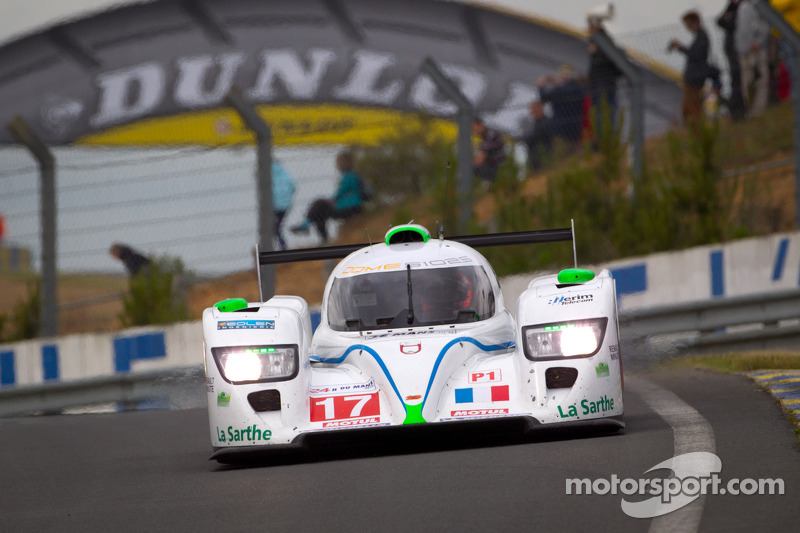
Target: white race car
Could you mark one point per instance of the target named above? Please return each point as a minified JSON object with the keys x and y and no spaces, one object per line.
{"x":413,"y":330}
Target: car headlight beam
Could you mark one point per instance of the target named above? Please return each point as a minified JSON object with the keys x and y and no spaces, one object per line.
{"x":256,"y":364}
{"x":578,"y":338}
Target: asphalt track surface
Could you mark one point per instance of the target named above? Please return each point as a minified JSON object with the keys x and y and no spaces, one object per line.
{"x":149,"y":471}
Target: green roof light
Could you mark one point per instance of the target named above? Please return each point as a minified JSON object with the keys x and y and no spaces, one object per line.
{"x":575,"y":275}
{"x":407,"y":233}
{"x":231,"y":304}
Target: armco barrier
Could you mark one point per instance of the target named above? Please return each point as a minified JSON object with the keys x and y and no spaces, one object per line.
{"x":666,"y":290}
{"x":76,"y":357}
{"x":753,"y":322}
{"x":177,"y":387}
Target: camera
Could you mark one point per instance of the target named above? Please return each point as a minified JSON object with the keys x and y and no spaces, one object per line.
{"x":600,"y":13}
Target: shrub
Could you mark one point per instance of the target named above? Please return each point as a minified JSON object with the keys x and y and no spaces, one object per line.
{"x":156,"y":294}
{"x":25,"y":319}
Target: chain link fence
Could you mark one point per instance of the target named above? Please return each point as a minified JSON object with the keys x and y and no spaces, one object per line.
{"x":200,"y":204}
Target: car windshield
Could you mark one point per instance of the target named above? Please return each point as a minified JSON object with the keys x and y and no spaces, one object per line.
{"x":437,"y":296}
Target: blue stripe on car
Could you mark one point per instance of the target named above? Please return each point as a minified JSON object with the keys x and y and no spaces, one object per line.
{"x":374,"y":354}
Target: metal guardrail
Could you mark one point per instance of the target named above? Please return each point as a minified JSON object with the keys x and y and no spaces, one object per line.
{"x":182,"y":386}
{"x":740,"y":323}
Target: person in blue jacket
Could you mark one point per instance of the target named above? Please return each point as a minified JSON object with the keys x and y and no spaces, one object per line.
{"x":282,"y":195}
{"x":347,"y":202}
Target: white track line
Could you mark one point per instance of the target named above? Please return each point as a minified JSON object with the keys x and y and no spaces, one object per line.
{"x":692,"y":433}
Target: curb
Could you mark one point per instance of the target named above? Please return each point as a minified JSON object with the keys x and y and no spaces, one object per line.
{"x":784,"y":385}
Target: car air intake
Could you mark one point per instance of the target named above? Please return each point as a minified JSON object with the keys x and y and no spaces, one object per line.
{"x":560,"y":377}
{"x":265,"y":400}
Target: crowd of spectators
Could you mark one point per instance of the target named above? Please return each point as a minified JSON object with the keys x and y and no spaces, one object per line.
{"x":758,"y":60}
{"x":575,"y":109}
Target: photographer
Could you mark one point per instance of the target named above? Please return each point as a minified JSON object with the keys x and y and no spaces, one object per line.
{"x":696,"y":69}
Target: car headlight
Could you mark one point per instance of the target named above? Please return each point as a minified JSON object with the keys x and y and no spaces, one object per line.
{"x":576,"y":338}
{"x":256,"y":364}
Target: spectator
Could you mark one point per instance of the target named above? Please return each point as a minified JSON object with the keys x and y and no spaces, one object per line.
{"x":538,"y":137}
{"x":752,"y":36}
{"x":727,"y":21}
{"x":347,"y":201}
{"x":790,"y":10}
{"x":565,"y":95}
{"x":603,"y":74}
{"x":696,"y":69}
{"x":282,"y":194}
{"x":491,"y":151}
{"x":135,"y":263}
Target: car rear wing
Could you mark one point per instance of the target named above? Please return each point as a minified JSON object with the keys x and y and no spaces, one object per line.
{"x":475,"y":241}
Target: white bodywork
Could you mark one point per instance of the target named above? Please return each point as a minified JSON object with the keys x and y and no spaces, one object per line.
{"x":408,"y":373}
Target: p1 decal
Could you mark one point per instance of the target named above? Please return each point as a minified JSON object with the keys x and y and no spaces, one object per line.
{"x":486,"y":376}
{"x":496,"y":393}
{"x":345,"y":407}
{"x":410,"y":348}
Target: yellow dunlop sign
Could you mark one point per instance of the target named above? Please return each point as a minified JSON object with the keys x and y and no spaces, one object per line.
{"x":290,"y":124}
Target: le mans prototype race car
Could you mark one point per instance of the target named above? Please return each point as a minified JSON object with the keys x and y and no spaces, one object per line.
{"x":413,"y":330}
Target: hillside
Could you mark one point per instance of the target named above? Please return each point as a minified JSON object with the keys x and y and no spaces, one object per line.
{"x":757,"y":165}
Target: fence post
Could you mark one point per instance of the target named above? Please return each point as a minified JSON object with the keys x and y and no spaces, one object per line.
{"x":464,"y":146}
{"x":634,"y":76}
{"x":47,"y":215}
{"x":787,"y":32}
{"x":266,"y":215}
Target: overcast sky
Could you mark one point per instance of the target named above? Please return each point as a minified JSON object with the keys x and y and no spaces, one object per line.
{"x":21,"y":17}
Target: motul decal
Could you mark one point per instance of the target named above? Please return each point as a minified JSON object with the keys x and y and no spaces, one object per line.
{"x":349,"y":423}
{"x":479,"y":412}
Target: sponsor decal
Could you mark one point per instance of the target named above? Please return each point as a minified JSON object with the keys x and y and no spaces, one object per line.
{"x":479,"y":412}
{"x":496,"y":393}
{"x":361,"y":269}
{"x":210,"y":385}
{"x":441,"y":262}
{"x":223,"y":399}
{"x":414,"y":397}
{"x":602,"y":370}
{"x":246,"y":324}
{"x":249,"y":434}
{"x":411,"y":333}
{"x":350,"y":423}
{"x":614,"y":351}
{"x":364,"y":78}
{"x":602,"y":405}
{"x":347,"y":388}
{"x":345,"y":407}
{"x":485,"y":376}
{"x":567,"y":300}
{"x":410,"y":348}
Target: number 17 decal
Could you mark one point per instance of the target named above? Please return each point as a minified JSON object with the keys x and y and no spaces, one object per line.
{"x":339,"y":407}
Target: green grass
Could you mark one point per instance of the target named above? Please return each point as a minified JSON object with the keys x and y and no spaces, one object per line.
{"x":741,"y":362}
{"x":746,"y":362}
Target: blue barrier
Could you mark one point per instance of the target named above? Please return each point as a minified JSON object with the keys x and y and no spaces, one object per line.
{"x":7,"y":372}
{"x":50,"y":367}
{"x":143,"y":346}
